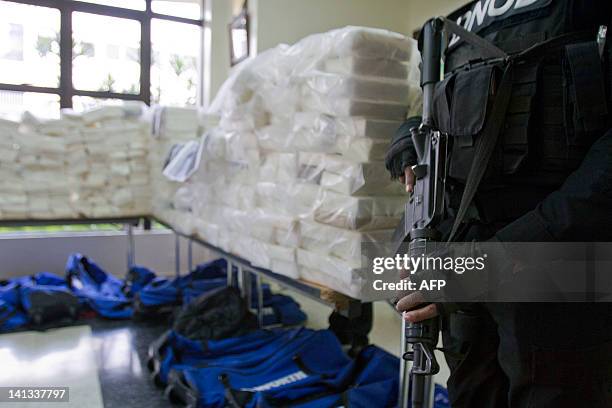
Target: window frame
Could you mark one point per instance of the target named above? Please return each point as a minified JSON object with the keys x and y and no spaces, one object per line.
{"x":66,"y":89}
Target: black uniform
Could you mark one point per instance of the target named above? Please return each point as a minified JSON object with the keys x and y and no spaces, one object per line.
{"x":550,"y":179}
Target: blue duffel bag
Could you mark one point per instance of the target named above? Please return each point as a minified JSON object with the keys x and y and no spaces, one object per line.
{"x":292,"y":372}
{"x":162,"y":295}
{"x":47,"y":300}
{"x":281,"y":310}
{"x":138,"y":277}
{"x":36,"y":301}
{"x":9,"y":291}
{"x":373,"y":384}
{"x":11,"y":317}
{"x":101,"y":291}
{"x":174,"y":351}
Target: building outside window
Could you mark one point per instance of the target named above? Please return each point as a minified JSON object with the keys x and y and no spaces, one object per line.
{"x":145,"y":50}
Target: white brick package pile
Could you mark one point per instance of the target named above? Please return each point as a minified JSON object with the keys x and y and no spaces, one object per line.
{"x":292,"y":178}
{"x":171,"y":126}
{"x":88,"y":165}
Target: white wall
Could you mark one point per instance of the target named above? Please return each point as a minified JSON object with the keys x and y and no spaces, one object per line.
{"x":286,"y":21}
{"x":25,"y":254}
{"x":421,"y":10}
{"x":221,"y":15}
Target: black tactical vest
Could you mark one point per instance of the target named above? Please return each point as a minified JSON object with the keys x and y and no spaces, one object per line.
{"x":560,"y":100}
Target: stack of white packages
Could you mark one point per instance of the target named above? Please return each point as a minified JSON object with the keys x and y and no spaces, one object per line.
{"x":87,"y":165}
{"x":172,"y":126}
{"x":354,"y":99}
{"x":293,"y":177}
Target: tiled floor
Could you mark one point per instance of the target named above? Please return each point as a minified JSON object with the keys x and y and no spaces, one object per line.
{"x":60,"y":357}
{"x":104,"y":363}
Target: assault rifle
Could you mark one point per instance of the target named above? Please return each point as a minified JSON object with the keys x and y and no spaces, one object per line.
{"x":424,"y":210}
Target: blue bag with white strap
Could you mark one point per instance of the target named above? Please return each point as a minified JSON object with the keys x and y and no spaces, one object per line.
{"x":294,"y":371}
{"x":101,"y":291}
{"x":373,"y":384}
{"x":174,"y":351}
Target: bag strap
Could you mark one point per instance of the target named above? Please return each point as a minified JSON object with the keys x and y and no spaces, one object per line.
{"x":487,"y":49}
{"x":234,"y":398}
{"x":485,"y":145}
{"x":487,"y":141}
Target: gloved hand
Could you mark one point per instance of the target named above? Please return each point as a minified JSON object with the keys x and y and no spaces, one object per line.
{"x":469,"y":275}
{"x":401,"y":154}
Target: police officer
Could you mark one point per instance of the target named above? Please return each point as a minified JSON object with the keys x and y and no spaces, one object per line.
{"x":550,"y":180}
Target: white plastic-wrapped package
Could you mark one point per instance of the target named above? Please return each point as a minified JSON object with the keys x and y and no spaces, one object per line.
{"x":294,"y":199}
{"x":345,"y":277}
{"x":169,"y":121}
{"x":102,"y":113}
{"x":272,"y":227}
{"x":342,"y":175}
{"x":383,"y":68}
{"x":350,"y":127}
{"x":317,"y":102}
{"x":354,"y":87}
{"x":330,"y":264}
{"x":371,"y":43}
{"x":358,"y":213}
{"x":295,"y":162}
{"x":341,"y":243}
{"x":278,"y":259}
{"x":282,"y":137}
{"x":81,"y":165}
{"x":241,"y":196}
{"x":362,"y":150}
{"x":206,"y":231}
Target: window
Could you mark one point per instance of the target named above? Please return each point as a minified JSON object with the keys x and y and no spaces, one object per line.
{"x":174,"y":69}
{"x":93,"y":71}
{"x":130,"y":4}
{"x":178,"y":8}
{"x":13,"y":104}
{"x":14,"y":42}
{"x":82,"y":53}
{"x":29,"y":45}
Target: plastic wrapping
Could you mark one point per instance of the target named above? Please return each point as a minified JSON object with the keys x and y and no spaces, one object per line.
{"x":343,"y":176}
{"x":322,"y":103}
{"x":175,"y":122}
{"x":369,"y":43}
{"x":355,"y":87}
{"x":350,"y":127}
{"x":358,"y":213}
{"x":341,"y":243}
{"x":383,"y":68}
{"x":83,"y":165}
{"x":295,"y":199}
{"x":292,"y":178}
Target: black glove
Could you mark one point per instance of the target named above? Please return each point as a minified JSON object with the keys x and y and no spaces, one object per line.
{"x":401,"y":153}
